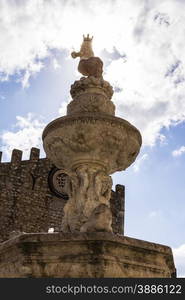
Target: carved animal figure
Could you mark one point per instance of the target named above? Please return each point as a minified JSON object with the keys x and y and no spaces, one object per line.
{"x":88,"y":207}
{"x":100,"y":220}
{"x":89,"y":65}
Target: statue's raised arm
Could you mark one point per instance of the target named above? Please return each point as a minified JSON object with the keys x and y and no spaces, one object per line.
{"x":89,"y":65}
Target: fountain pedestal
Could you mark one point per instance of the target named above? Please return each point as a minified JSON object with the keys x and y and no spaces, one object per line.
{"x":84,"y":255}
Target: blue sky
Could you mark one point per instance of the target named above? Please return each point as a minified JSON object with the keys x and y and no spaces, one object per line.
{"x":143,"y":48}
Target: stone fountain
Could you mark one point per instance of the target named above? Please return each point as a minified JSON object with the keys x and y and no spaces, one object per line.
{"x":90,"y":144}
{"x":87,"y":145}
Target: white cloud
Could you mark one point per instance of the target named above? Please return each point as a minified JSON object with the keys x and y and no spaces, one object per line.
{"x":179,"y":152}
{"x":27,"y":134}
{"x":150,"y":77}
{"x":139,"y":162}
{"x":155,"y":214}
{"x":179,"y":258}
{"x":30,"y":71}
{"x":56,"y":64}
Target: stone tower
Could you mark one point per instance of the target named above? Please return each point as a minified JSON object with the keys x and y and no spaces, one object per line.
{"x":86,"y":146}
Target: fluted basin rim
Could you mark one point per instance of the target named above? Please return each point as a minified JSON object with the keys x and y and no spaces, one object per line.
{"x":95,"y":116}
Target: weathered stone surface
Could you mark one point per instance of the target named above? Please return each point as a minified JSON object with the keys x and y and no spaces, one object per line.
{"x":33,"y":195}
{"x":109,"y":141}
{"x":26,"y":201}
{"x":91,"y":103}
{"x":92,"y":66}
{"x":94,"y":255}
{"x":91,"y":95}
{"x":117,"y":205}
{"x":91,"y":85}
{"x":88,"y":208}
{"x":89,"y":144}
{"x":85,"y":146}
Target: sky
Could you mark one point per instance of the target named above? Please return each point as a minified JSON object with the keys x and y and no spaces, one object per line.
{"x":142,"y":45}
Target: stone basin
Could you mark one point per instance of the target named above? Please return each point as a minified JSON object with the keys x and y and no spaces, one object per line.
{"x":98,"y":138}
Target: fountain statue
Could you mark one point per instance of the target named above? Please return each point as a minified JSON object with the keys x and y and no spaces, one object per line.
{"x":88,"y":145}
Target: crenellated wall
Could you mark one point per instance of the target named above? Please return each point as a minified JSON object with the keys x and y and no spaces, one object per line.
{"x":27,"y":202}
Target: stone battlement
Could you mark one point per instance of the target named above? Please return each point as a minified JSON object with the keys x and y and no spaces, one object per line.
{"x":16,"y":156}
{"x":26,"y":202}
